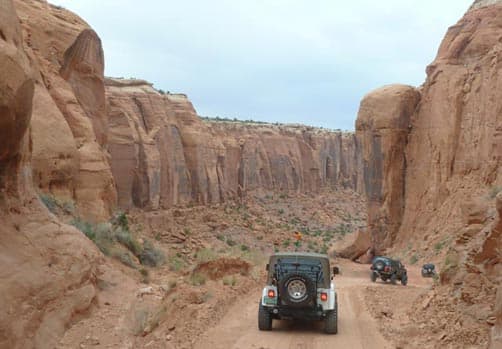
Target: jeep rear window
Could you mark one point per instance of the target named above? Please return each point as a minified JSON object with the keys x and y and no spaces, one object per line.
{"x":312,"y":268}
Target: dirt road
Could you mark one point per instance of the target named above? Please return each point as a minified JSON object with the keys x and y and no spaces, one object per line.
{"x":356,"y":328}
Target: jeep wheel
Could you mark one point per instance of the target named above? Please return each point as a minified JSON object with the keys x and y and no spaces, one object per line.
{"x":264,"y":319}
{"x":331,"y":321}
{"x":297,"y":290}
{"x":373,"y":276}
{"x":393,"y":279}
{"x":404,"y":280}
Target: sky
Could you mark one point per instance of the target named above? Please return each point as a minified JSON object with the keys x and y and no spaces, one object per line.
{"x":287,"y":61}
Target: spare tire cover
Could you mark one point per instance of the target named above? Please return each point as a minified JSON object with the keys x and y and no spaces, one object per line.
{"x":297,"y":289}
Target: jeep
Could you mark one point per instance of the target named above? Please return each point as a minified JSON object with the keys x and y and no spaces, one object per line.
{"x":299,"y":287}
{"x":388,"y":269}
{"x":428,"y":270}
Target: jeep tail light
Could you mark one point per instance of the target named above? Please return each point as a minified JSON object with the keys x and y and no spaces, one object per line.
{"x":324,"y":297}
{"x":271,"y":294}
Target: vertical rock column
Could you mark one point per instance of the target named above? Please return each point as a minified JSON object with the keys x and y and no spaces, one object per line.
{"x":382,"y":128}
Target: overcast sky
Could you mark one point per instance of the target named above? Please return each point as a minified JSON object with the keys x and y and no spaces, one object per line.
{"x":291,"y":61}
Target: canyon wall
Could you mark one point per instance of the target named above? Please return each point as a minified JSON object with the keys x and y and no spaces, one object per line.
{"x":69,"y":128}
{"x":432,"y":167}
{"x":163,"y":154}
{"x":48,"y":269}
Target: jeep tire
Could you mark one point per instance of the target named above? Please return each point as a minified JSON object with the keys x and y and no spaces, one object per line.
{"x":264,"y":319}
{"x":373,"y":276}
{"x":297,"y":290}
{"x":404,"y":280}
{"x":393,"y":279}
{"x":331,"y":321}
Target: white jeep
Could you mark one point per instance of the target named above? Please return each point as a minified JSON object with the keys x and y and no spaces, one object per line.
{"x":299,"y":286}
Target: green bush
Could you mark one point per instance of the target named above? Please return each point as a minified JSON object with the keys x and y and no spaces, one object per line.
{"x":50,"y":202}
{"x":176,"y":263}
{"x":197,"y":279}
{"x":229,"y":280}
{"x":151,"y":256}
{"x":414,"y":259}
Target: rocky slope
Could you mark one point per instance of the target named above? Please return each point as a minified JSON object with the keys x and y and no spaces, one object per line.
{"x":435,"y":169}
{"x":163,"y":154}
{"x":48,"y":269}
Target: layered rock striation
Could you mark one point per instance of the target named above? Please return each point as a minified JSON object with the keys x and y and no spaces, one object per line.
{"x":163,"y":154}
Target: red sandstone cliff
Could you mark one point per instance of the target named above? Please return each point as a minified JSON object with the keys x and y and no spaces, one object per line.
{"x":163,"y":154}
{"x":430,"y":185}
{"x":69,"y":130}
{"x":47,"y":268}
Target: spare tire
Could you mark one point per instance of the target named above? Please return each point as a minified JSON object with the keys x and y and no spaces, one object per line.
{"x":297,"y":290}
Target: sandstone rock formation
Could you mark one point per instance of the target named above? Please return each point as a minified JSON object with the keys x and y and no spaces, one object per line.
{"x":48,"y":269}
{"x":382,"y":126}
{"x":163,"y":154}
{"x":444,"y":168}
{"x":70,"y":122}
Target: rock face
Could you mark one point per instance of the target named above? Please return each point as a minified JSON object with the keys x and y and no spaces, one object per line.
{"x":443,"y":187}
{"x":48,"y":269}
{"x":70,"y":121}
{"x":163,"y":154}
{"x":382,"y":126}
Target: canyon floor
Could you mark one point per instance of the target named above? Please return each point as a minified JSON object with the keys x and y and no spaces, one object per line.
{"x":205,"y":292}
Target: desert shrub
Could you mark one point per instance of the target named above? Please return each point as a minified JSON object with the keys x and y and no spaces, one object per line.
{"x":50,"y":202}
{"x":414,"y":259}
{"x":229,"y":280}
{"x":84,"y":227}
{"x":205,"y":255}
{"x":124,"y":237}
{"x":197,"y":279}
{"x":244,"y":248}
{"x":176,"y":263}
{"x":231,"y":242}
{"x":125,"y":257}
{"x":151,"y":256}
{"x":494,"y":191}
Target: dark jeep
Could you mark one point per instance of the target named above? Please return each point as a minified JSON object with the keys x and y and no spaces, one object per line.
{"x":299,"y":286}
{"x":428,"y":270}
{"x":388,"y":269}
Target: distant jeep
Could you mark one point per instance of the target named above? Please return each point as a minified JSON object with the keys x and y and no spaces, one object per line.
{"x":388,"y":269}
{"x":299,"y":286}
{"x":428,"y":270}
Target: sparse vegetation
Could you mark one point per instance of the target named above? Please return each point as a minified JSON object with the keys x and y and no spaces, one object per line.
{"x":197,"y":279}
{"x":414,"y":259}
{"x":229,"y":280}
{"x":494,"y":191}
{"x":116,"y":240}
{"x":176,"y":263}
{"x":205,"y":255}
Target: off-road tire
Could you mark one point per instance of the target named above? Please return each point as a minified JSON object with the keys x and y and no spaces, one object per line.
{"x":310,"y":290}
{"x":379,"y":265}
{"x":373,"y":276}
{"x":404,"y":280}
{"x":264,"y":319}
{"x":393,"y":279}
{"x":331,"y":321}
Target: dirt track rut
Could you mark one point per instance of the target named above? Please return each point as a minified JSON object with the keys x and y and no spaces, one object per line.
{"x":356,"y":328}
